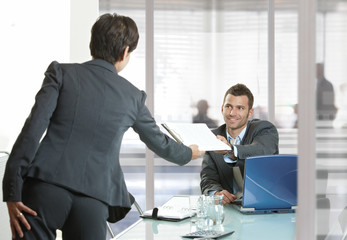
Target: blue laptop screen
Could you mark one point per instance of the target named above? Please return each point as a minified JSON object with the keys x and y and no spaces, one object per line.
{"x":270,"y":182}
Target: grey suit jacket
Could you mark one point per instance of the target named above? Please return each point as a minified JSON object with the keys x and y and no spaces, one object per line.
{"x":261,"y":138}
{"x":85,"y":109}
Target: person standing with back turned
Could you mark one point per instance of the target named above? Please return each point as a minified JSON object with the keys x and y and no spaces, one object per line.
{"x":246,"y":138}
{"x":72,"y":179}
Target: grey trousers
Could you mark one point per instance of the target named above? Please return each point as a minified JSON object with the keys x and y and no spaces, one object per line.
{"x":78,"y":216}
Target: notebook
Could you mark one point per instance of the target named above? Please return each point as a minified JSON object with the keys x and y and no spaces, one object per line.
{"x":176,"y":209}
{"x":270,"y":185}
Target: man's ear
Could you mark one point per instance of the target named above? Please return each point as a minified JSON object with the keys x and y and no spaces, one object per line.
{"x":125,"y":53}
{"x":250,"y":114}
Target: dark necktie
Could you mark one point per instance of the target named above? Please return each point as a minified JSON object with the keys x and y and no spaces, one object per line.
{"x":237,"y":174}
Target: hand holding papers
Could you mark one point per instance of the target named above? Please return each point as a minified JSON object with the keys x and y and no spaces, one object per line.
{"x":195,"y":133}
{"x":196,"y":152}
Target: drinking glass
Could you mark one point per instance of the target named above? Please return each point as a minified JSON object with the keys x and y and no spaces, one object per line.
{"x":216,"y":209}
{"x":202,"y":213}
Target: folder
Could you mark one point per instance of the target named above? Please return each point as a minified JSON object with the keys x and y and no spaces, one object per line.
{"x":195,"y":133}
{"x":176,"y":209}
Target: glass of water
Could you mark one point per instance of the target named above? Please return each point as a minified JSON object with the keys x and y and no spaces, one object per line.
{"x":216,"y":209}
{"x":202,"y":213}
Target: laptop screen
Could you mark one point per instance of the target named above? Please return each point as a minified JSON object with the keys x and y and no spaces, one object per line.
{"x":270,"y":182}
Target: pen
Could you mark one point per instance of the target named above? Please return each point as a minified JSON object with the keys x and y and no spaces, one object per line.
{"x":172,"y":133}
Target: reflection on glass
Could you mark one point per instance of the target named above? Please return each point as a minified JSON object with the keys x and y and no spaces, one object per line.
{"x":331,"y":133}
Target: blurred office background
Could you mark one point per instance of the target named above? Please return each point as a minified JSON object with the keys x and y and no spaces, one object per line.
{"x":191,"y":50}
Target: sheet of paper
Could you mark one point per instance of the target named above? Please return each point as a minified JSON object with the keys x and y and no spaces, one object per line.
{"x":196,"y":133}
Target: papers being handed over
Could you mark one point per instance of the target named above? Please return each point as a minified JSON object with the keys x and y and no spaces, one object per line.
{"x":195,"y":133}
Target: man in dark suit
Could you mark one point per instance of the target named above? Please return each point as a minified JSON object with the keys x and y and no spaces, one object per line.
{"x":245,"y":137}
{"x":72,"y":179}
{"x":326,"y":109}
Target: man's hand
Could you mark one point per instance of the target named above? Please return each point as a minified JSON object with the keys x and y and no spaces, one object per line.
{"x":15,"y":210}
{"x":227,"y":196}
{"x":223,"y":139}
{"x":196,"y":153}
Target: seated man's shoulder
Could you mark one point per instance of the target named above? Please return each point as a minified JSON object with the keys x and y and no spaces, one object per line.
{"x":259,"y":123}
{"x":219,"y":130}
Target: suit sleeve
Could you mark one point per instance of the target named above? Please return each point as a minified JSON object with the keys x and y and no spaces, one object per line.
{"x":210,"y":178}
{"x":263,"y":141}
{"x":156,"y":140}
{"x":25,"y":147}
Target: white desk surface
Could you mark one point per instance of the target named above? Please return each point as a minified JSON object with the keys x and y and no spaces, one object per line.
{"x":247,"y":227}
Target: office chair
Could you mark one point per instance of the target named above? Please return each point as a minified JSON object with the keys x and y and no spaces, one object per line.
{"x":338,"y":230}
{"x":343,"y":223}
{"x":5,"y":229}
{"x":134,"y":203}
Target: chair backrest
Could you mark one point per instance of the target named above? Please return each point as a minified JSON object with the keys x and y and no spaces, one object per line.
{"x":128,"y":220}
{"x":5,"y":230}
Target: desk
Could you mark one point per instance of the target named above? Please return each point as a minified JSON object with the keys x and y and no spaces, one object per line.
{"x":246,"y":227}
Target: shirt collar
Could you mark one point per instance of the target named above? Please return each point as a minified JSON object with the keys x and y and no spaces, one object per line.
{"x":239,"y":137}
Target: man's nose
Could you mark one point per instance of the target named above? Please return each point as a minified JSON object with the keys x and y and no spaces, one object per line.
{"x":232,"y":111}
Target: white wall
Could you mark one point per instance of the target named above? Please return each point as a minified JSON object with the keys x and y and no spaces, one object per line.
{"x":34,"y":33}
{"x":83,"y":15}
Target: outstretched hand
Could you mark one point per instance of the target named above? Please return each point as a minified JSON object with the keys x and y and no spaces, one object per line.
{"x":196,"y":153}
{"x":15,"y":210}
{"x":223,"y":139}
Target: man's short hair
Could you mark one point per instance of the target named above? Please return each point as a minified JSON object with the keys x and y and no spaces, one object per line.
{"x":111,"y":34}
{"x":240,"y":90}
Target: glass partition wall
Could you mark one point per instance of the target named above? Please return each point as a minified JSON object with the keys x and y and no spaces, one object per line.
{"x":331,"y":119}
{"x":201,"y":48}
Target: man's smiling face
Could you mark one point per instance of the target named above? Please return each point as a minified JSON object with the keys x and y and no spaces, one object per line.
{"x":236,"y":113}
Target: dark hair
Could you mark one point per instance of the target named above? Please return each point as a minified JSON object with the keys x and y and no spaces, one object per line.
{"x":111,"y":34}
{"x":240,"y":90}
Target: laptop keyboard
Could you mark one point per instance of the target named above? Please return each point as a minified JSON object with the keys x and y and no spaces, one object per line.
{"x":238,"y":201}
